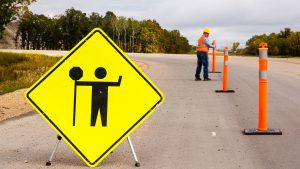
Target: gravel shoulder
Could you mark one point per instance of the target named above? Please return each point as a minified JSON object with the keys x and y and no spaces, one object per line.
{"x":13,"y":104}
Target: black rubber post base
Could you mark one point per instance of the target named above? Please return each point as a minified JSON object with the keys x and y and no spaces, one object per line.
{"x":224,"y":91}
{"x":137,"y":164}
{"x":48,"y":163}
{"x":215,"y":72}
{"x":258,"y":132}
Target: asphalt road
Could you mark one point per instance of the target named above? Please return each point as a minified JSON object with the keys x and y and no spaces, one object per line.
{"x":194,"y":128}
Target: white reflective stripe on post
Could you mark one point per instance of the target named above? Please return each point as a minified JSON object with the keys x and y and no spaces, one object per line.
{"x":225,"y":62}
{"x":263,"y":54}
{"x":263,"y":75}
{"x":226,"y":52}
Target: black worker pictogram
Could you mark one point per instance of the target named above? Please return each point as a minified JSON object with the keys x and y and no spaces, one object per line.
{"x":99,"y":93}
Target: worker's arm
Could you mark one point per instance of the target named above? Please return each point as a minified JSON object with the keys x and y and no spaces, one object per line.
{"x":206,"y":42}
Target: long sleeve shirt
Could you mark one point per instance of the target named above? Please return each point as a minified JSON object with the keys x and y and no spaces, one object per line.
{"x":206,"y":41}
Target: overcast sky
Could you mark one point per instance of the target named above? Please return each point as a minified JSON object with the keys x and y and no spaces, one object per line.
{"x":229,"y":20}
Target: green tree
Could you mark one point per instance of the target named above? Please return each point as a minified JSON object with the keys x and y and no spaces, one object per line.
{"x":150,"y":36}
{"x":286,"y":42}
{"x":11,"y":10}
{"x":235,"y":45}
{"x":253,"y":43}
{"x":66,"y":30}
{"x":74,"y":25}
{"x":285,"y":33}
{"x":123,"y":24}
{"x":294,"y":43}
{"x":134,"y":28}
{"x":52,"y":36}
{"x":32,"y":29}
{"x":173,"y":42}
{"x":95,"y":21}
{"x":109,"y":24}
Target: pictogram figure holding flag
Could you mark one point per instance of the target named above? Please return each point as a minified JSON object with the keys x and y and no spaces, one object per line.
{"x":99,"y":93}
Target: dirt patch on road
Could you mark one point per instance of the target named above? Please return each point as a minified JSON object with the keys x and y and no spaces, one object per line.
{"x":14,"y":104}
{"x":141,"y":65}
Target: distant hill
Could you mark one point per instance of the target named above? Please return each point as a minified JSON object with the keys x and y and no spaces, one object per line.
{"x":8,"y":39}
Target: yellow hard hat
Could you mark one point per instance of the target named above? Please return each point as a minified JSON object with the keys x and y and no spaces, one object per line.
{"x":206,"y":30}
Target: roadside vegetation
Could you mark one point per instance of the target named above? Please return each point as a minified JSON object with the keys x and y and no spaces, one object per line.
{"x":286,"y":43}
{"x":64,"y":31}
{"x":12,"y":10}
{"x":21,"y":70}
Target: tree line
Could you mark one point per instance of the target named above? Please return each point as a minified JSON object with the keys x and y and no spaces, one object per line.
{"x":285,"y":43}
{"x":11,"y":10}
{"x":62,"y":32}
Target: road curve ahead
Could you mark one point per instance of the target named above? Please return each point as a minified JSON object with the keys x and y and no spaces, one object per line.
{"x":194,"y":128}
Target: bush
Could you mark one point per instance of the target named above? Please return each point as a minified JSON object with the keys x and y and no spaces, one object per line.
{"x":21,"y":70}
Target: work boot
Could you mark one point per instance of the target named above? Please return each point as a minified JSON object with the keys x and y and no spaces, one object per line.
{"x":198,"y":79}
{"x":207,"y":79}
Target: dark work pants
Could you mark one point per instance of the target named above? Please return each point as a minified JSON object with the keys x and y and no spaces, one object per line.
{"x":202,"y":60}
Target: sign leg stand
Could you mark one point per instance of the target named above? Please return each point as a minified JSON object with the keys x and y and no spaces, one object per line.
{"x":48,"y":163}
{"x":137,"y":163}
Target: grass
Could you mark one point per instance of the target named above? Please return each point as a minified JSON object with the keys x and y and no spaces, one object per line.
{"x":21,"y":70}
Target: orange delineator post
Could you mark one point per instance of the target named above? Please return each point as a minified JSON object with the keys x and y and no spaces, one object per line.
{"x":225,"y":74}
{"x":225,"y":70}
{"x":214,"y":60}
{"x":263,"y":88}
{"x":263,"y":96}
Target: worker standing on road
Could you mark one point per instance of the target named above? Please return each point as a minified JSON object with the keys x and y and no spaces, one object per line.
{"x":202,"y":55}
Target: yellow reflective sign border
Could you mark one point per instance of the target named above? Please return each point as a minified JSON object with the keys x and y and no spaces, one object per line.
{"x":38,"y":109}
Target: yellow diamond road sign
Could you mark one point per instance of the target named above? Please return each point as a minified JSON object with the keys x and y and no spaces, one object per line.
{"x":94,"y":97}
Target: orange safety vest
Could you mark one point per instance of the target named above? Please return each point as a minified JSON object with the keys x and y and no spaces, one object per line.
{"x":201,"y":45}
